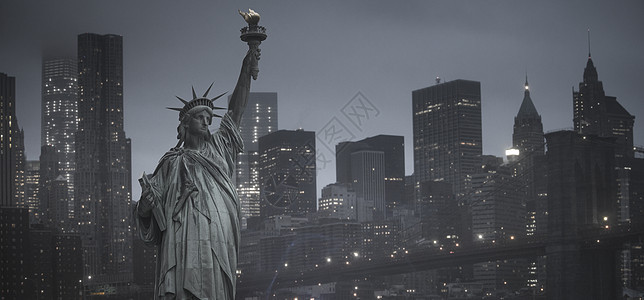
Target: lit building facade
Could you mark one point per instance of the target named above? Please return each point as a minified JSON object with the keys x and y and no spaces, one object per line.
{"x":12,"y":147}
{"x":103,"y":167}
{"x":447,"y":132}
{"x":32,"y":187}
{"x":59,"y":113}
{"x":338,"y":201}
{"x":597,"y":114}
{"x":368,"y":176}
{"x":393,"y":148}
{"x":15,"y":263}
{"x":287,"y":173}
{"x":527,"y":138}
{"x":259,"y":119}
{"x":498,"y":217}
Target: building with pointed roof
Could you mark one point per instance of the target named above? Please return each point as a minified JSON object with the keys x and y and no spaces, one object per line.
{"x":527,"y":136}
{"x":597,"y":114}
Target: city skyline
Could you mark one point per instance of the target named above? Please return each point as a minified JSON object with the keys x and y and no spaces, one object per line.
{"x":318,"y":57}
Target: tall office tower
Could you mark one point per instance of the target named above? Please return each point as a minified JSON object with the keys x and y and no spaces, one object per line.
{"x":498,"y":217}
{"x":440,"y":215}
{"x":447,"y":132}
{"x":529,"y":168}
{"x":287,"y":173}
{"x":368,"y":173}
{"x":103,"y":166}
{"x":53,"y":193}
{"x":259,"y":119}
{"x":32,"y":186}
{"x":49,"y":171}
{"x":528,"y":139}
{"x":19,"y":160}
{"x":597,"y":114}
{"x":8,"y":131}
{"x":527,"y":136}
{"x":338,"y":201}
{"x":498,"y":207}
{"x":393,"y":148}
{"x":59,"y":113}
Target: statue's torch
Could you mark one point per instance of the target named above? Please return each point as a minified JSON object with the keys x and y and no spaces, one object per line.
{"x":253,"y":35}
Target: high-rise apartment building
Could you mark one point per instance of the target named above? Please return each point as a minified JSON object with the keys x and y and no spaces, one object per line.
{"x":447,"y":132}
{"x":259,"y":119}
{"x":103,"y":166}
{"x":287,"y":173}
{"x":393,"y":148}
{"x":59,"y":114}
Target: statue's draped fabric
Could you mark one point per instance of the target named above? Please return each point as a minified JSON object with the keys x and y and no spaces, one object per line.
{"x":200,"y":210}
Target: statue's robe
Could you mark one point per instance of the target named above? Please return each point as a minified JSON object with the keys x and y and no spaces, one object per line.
{"x":195,"y":219}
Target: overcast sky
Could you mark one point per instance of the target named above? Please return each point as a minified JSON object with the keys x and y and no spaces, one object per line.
{"x":320,"y":54}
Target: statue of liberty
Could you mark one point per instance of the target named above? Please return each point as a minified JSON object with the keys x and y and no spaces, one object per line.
{"x":189,"y":207}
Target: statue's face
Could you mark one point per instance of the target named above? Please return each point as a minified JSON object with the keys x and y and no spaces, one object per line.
{"x":198,"y":124}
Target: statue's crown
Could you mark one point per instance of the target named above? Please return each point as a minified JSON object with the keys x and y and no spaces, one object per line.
{"x":201,"y":101}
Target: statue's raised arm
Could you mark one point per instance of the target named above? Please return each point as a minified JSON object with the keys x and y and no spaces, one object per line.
{"x":239,"y":98}
{"x":253,"y":35}
{"x":189,"y":206}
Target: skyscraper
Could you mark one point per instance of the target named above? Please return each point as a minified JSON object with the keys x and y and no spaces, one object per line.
{"x":527,"y":137}
{"x":32,"y":182}
{"x":259,"y":119}
{"x":597,"y":114}
{"x":60,"y":112}
{"x":11,"y":146}
{"x":103,"y":166}
{"x":368,"y":174}
{"x":287,"y":173}
{"x":393,"y":148}
{"x":498,"y":217}
{"x":447,"y":132}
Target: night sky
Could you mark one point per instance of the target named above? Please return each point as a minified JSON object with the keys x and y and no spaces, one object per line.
{"x":320,"y":54}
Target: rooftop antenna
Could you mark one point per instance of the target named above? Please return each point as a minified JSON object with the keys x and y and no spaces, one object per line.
{"x":438,"y":80}
{"x":588,"y":42}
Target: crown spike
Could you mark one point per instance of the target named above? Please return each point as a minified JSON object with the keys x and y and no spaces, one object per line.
{"x":184,"y":101}
{"x":208,"y":90}
{"x":213,"y":99}
{"x":194,"y":95}
{"x":174,"y":108}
